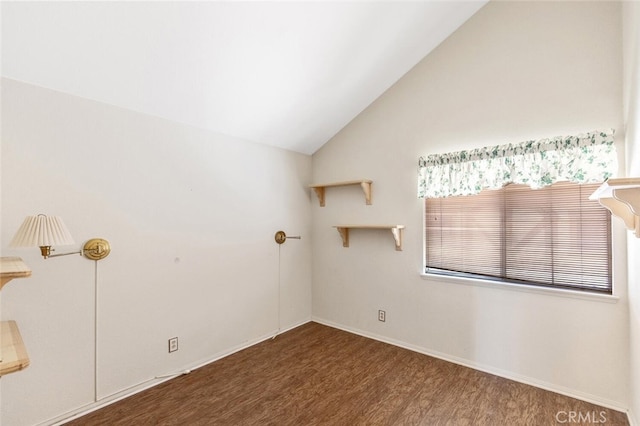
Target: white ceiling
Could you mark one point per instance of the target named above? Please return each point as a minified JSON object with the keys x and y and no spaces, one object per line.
{"x":288,"y":74}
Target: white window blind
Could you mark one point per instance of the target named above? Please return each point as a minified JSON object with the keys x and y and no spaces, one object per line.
{"x":554,"y":236}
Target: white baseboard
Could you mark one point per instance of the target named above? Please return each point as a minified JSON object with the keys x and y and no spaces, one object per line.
{"x":632,"y":419}
{"x":594,"y":399}
{"x":161,"y":378}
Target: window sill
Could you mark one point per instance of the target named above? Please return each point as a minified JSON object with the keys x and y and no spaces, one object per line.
{"x":557,"y":292}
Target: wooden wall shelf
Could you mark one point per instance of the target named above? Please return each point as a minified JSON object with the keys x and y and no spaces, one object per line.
{"x":12,"y":267}
{"x":13,"y":354}
{"x":396,"y":231}
{"x":622,"y":198}
{"x":364,"y":183}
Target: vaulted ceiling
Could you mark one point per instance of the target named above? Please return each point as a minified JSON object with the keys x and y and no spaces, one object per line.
{"x":288,"y":74}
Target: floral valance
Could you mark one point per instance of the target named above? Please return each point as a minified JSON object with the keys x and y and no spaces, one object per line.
{"x":584,"y":158}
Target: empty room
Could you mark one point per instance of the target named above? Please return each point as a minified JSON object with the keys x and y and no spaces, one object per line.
{"x":305,"y":213}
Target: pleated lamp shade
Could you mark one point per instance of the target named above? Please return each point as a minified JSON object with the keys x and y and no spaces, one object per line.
{"x":42,"y":231}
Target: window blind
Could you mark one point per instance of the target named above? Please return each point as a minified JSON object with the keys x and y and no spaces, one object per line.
{"x":553,"y":236}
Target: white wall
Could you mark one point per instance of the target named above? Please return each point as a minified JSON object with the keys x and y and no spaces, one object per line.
{"x":515,"y":71}
{"x":631,"y":14}
{"x":191,"y":218}
{"x":191,"y":258}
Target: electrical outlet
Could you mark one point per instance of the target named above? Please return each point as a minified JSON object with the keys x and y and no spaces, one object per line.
{"x":382,"y":315}
{"x":173,"y":344}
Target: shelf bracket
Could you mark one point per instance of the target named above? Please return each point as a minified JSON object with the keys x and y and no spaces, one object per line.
{"x":319,"y":190}
{"x":344,"y":233}
{"x":397,"y":236}
{"x":366,"y":187}
{"x":622,"y":198}
{"x":620,"y":210}
{"x":630,"y":197}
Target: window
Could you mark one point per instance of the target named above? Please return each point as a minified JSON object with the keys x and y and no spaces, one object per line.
{"x":553,"y":236}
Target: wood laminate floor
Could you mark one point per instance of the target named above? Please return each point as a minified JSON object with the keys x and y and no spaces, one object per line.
{"x":318,"y":375}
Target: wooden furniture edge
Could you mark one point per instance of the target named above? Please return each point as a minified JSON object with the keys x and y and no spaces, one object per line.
{"x":12,"y":267}
{"x":13,"y":354}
